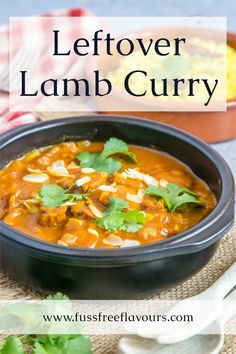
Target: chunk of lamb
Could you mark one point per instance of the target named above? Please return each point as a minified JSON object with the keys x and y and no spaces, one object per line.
{"x":52,"y":216}
{"x":96,"y":180}
{"x":81,"y":209}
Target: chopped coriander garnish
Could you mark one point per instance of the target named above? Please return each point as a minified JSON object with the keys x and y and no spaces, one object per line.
{"x":174,"y":195}
{"x":57,"y":296}
{"x":61,"y":344}
{"x":133,"y":221}
{"x":53,"y":195}
{"x":115,"y":218}
{"x":102,"y":161}
{"x":116,"y":204}
{"x":116,"y":146}
{"x":48,"y":343}
{"x":12,"y":345}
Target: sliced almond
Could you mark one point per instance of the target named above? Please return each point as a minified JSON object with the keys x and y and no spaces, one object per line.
{"x":33,"y":201}
{"x":135,"y":174}
{"x":31,"y":207}
{"x":87,"y":170}
{"x":113,"y":240}
{"x":81,"y":181}
{"x":86,"y":143}
{"x":164,"y":232}
{"x":93,"y":245}
{"x":61,"y":243}
{"x":93,"y":232}
{"x":69,"y":239}
{"x":130,"y":243}
{"x":163,"y":183}
{"x":106,"y":188}
{"x":141,"y":192}
{"x":36,"y":178}
{"x":58,"y":169}
{"x":150,"y":180}
{"x":68,"y":203}
{"x":96,"y":212}
{"x":134,"y":198}
{"x":72,"y":165}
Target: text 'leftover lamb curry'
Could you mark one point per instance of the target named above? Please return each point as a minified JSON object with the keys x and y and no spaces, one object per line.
{"x":95,"y":195}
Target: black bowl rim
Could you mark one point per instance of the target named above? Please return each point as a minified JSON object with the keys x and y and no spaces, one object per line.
{"x":194,"y":239}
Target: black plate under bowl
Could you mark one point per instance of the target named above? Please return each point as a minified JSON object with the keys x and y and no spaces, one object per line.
{"x":121,"y":273}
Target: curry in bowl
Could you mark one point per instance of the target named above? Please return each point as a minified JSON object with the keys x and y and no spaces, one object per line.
{"x":101,"y":195}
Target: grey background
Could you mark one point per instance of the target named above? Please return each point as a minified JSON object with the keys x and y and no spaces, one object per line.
{"x":136,"y":8}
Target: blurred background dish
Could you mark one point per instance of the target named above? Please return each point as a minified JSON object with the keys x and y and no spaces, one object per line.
{"x":209,"y":126}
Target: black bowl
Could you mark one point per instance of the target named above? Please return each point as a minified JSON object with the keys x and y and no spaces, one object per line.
{"x":121,"y":273}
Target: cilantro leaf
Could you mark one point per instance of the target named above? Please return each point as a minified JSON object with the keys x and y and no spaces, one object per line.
{"x":186,"y":198}
{"x":131,"y":227}
{"x":12,"y":345}
{"x":174,"y":195}
{"x":108,"y":165}
{"x":57,"y":296}
{"x":135,"y":216}
{"x":79,"y":345}
{"x":116,"y":146}
{"x":63,"y":344}
{"x":102,"y":161}
{"x":115,"y":218}
{"x":72,"y":197}
{"x":49,"y":344}
{"x":116,"y":204}
{"x":133,"y":221}
{"x":87,"y":159}
{"x":38,"y":349}
{"x":98,"y":162}
{"x":53,"y":195}
{"x":111,"y":221}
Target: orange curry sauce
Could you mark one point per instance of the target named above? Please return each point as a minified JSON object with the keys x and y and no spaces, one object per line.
{"x":74,"y":224}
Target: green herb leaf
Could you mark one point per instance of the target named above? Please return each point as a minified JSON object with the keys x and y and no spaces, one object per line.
{"x":135,"y":216}
{"x":12,"y":345}
{"x":132,"y":227}
{"x":116,"y":146}
{"x":87,"y":159}
{"x":49,"y":344}
{"x":57,"y":296}
{"x":38,"y":349}
{"x":108,"y":165}
{"x":114,"y":218}
{"x":133,"y":221}
{"x":174,"y":195}
{"x":116,"y":204}
{"x":98,"y":162}
{"x":53,"y":195}
{"x":62,"y":344}
{"x":79,"y":345}
{"x":102,"y":161}
{"x":186,"y":199}
{"x":73,"y":197}
{"x":111,"y":221}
